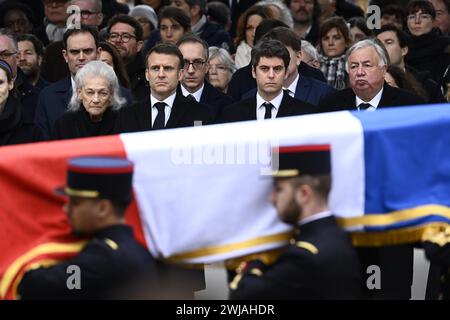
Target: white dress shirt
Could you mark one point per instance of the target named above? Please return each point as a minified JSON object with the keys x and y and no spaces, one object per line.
{"x":261,"y":110}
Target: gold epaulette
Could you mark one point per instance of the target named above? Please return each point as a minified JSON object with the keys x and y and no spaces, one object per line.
{"x":307,"y":246}
{"x":438,"y":234}
{"x":112,"y":244}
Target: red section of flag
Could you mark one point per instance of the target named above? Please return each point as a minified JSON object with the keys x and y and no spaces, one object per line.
{"x":30,"y":213}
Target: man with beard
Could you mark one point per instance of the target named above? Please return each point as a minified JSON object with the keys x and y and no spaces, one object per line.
{"x":29,"y":59}
{"x":99,"y":190}
{"x":306,"y":14}
{"x":320,"y":262}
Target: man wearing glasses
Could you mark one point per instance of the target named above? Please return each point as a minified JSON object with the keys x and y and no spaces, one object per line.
{"x":90,"y":11}
{"x":164,"y":107}
{"x":429,"y":50}
{"x":125,"y":33}
{"x":193,"y":84}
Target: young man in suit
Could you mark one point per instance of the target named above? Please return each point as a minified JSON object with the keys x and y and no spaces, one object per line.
{"x":165,"y":107}
{"x":366,"y":65}
{"x":320,"y":263}
{"x":270,"y":60}
{"x":193,"y":84}
{"x":298,"y":86}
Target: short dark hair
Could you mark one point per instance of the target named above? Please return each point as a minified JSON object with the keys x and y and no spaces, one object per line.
{"x":37,"y":44}
{"x":129,"y":20}
{"x":166,"y":48}
{"x":403,"y":38}
{"x":83,"y":29}
{"x":270,"y":49}
{"x":424,"y":5}
{"x":176,"y":14}
{"x":285,"y":36}
{"x":265,"y":26}
{"x":192,"y":38}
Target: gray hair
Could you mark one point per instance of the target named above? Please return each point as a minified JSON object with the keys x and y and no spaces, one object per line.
{"x":310,"y":50}
{"x":97,"y":4}
{"x":286,"y":15}
{"x":370,"y":42}
{"x":97,"y":68}
{"x":223,"y":56}
{"x":7,"y":33}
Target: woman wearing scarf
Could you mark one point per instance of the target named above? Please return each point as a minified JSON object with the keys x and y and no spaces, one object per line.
{"x":334,"y":40}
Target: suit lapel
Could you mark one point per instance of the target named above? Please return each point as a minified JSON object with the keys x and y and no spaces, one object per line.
{"x":249,"y":110}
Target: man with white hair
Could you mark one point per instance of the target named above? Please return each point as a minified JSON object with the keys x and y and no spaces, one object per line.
{"x":366,"y":64}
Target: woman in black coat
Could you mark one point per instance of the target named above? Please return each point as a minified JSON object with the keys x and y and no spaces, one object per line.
{"x":92,"y":108}
{"x":13,"y":128}
{"x":429,"y":50}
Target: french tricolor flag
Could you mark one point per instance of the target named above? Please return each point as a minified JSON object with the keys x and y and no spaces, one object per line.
{"x":202,"y":193}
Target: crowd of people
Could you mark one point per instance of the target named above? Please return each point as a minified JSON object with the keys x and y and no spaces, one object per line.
{"x":142,"y":65}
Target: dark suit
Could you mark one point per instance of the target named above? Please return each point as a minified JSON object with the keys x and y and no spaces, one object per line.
{"x":77,"y":124}
{"x":183,"y":114}
{"x":346,"y":99}
{"x":243,"y":81}
{"x":308,"y":89}
{"x":246,"y":109}
{"x":215,"y":100}
{"x":111,"y":261}
{"x":320,"y":264}
{"x":53,"y":102}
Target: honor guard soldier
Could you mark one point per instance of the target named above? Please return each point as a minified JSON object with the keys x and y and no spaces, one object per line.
{"x":320,"y":262}
{"x":99,"y":191}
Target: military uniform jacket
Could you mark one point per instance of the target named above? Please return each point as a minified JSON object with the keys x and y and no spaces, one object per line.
{"x":320,"y":264}
{"x":110,"y":262}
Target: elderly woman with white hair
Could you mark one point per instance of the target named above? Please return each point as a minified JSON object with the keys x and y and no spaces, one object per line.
{"x":92,"y":108}
{"x":220,"y":68}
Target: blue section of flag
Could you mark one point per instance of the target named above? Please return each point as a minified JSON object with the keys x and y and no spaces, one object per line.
{"x":407,"y":158}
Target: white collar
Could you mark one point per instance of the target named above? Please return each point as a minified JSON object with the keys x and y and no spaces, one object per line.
{"x":293,"y":85}
{"x":315,"y":217}
{"x":374,"y":102}
{"x":197,"y":94}
{"x":198,"y":27}
{"x":276,"y":102}
{"x":168,"y":101}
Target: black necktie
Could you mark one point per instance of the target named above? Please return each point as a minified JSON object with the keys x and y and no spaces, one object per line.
{"x":364,"y":106}
{"x":268,"y":114}
{"x":160,"y":119}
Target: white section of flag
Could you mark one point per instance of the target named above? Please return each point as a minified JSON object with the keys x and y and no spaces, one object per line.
{"x":203,"y":187}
